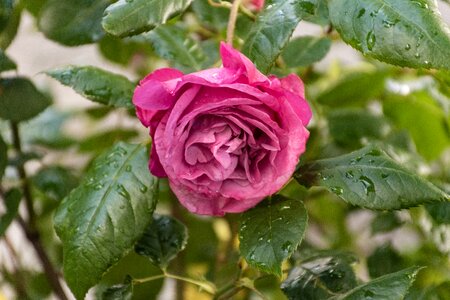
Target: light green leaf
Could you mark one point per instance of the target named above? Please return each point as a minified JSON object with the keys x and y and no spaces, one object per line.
{"x":125,"y":18}
{"x":6,"y":63}
{"x":370,"y":178}
{"x":354,"y":89}
{"x":73,"y":23}
{"x":306,"y":50}
{"x":101,"y":220}
{"x":20,"y":100}
{"x":12,"y":201}
{"x":320,"y":276}
{"x":162,"y":240}
{"x":271,"y":232}
{"x":96,"y":85}
{"x":423,"y":118}
{"x":400,"y":32}
{"x":392,"y":286}
{"x":173,"y":43}
{"x":271,"y":32}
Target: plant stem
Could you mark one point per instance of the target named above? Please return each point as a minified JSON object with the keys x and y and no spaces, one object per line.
{"x":232,"y":21}
{"x":207,"y":287}
{"x":30,"y":228}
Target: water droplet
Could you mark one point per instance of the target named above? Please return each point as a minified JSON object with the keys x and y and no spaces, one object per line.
{"x":128,"y":168}
{"x":374,"y":152}
{"x":369,"y":294}
{"x":407,"y":47}
{"x":260,"y":239}
{"x":370,"y":39}
{"x":349,"y":175}
{"x":384,"y":176}
{"x":123,"y":191}
{"x":361,"y":12}
{"x":427,"y":63}
{"x":326,"y":177}
{"x":286,"y":247}
{"x":417,"y":55}
{"x":98,"y":186}
{"x":143,"y":189}
{"x":388,"y":24}
{"x":284,"y":207}
{"x":337,"y":190}
{"x":369,"y":186}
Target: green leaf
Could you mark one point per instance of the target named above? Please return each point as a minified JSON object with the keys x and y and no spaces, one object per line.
{"x":400,"y":32}
{"x":385,"y":222}
{"x":384,"y":260}
{"x":6,"y":10}
{"x":6,"y":63}
{"x":211,"y":16}
{"x":392,"y":286}
{"x":12,"y":201}
{"x":96,"y":85}
{"x":101,"y":141}
{"x":162,"y":240}
{"x":440,"y":212}
{"x":124,"y":51}
{"x":173,"y":43}
{"x":125,"y":18}
{"x":370,"y":178}
{"x":55,"y":182}
{"x":272,"y":30}
{"x":3,"y":156}
{"x":9,"y":30}
{"x":306,"y":50}
{"x":120,"y":291}
{"x":354,"y":89}
{"x":271,"y":232}
{"x":20,"y":100}
{"x":348,"y":127}
{"x":73,"y":23}
{"x":317,"y":12}
{"x":423,"y":118}
{"x":101,"y":220}
{"x":320,"y":276}
{"x":34,"y":6}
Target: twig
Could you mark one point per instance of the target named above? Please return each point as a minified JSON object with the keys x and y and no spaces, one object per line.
{"x":30,"y":227}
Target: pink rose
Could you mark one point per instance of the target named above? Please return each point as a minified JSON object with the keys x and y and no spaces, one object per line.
{"x":257,"y":4}
{"x":225,"y":137}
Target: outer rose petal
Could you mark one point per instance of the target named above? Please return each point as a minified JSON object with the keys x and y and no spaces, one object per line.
{"x":258,"y":4}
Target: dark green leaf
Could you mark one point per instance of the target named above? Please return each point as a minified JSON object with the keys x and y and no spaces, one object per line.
{"x":34,"y":6}
{"x":101,"y":141}
{"x":12,"y":201}
{"x":401,"y":32}
{"x":423,"y":118}
{"x":125,"y":18}
{"x":6,"y":64}
{"x":354,"y":88}
{"x":385,"y":222}
{"x":162,"y":240}
{"x":271,"y":232}
{"x":349,"y":126}
{"x":20,"y":100}
{"x":306,"y":50}
{"x":384,"y":260}
{"x":101,"y":220}
{"x":55,"y":182}
{"x":173,"y":43}
{"x":3,"y":156}
{"x":73,"y":23}
{"x":122,"y":51}
{"x":10,"y":15}
{"x":392,"y":286}
{"x":272,"y":30}
{"x":317,"y":12}
{"x":320,"y":276}
{"x":96,"y":85}
{"x":20,"y":159}
{"x":215,"y":17}
{"x":370,"y":178}
{"x":6,"y":10}
{"x":119,"y":292}
{"x":440,"y":212}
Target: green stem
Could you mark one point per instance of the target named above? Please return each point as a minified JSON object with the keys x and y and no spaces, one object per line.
{"x":232,"y":21}
{"x":207,"y":287}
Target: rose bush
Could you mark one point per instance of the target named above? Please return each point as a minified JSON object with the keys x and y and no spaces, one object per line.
{"x":225,"y":137}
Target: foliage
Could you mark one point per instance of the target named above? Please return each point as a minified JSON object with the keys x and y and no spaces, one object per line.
{"x":376,"y":167}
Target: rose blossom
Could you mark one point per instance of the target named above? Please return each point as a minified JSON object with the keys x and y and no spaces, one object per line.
{"x":225,"y":137}
{"x":255,"y":5}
